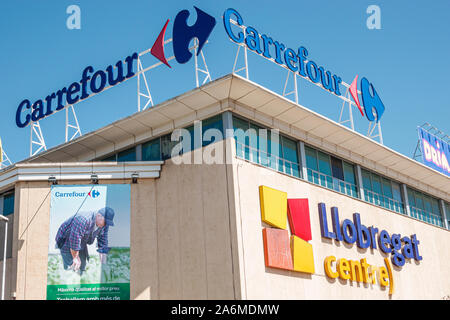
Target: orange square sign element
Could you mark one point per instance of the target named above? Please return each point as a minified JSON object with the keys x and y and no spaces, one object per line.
{"x":302,"y":255}
{"x":277,"y":251}
{"x":273,"y":207}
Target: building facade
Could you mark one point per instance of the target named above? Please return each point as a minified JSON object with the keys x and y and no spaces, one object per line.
{"x":199,"y":230}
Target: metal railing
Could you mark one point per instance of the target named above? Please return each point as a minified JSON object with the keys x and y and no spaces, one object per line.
{"x":426,"y":216}
{"x":333,"y":183}
{"x":266,"y":159}
{"x":383,"y":201}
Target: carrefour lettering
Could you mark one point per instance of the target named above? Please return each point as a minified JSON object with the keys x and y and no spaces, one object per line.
{"x":401,"y":248}
{"x":75,"y":92}
{"x":294,"y":60}
{"x":72,"y":194}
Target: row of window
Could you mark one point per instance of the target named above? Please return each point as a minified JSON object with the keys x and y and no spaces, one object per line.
{"x":424,"y":207}
{"x":330,"y":172}
{"x":262,"y":146}
{"x":382,"y":191}
{"x":161,"y":148}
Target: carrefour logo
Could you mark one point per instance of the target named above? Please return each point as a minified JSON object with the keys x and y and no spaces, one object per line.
{"x":74,"y":194}
{"x":95,"y":81}
{"x":293,"y":253}
{"x":94,"y":194}
{"x":182,"y":34}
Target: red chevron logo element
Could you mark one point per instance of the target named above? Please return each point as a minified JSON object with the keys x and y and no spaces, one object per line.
{"x":158,"y":47}
{"x":354,"y":92}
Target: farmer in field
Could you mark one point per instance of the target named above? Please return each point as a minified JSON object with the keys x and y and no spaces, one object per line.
{"x":81,"y":230}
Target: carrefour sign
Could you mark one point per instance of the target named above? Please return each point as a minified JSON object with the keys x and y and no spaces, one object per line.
{"x":297,"y":61}
{"x":435,"y":152}
{"x":95,"y":81}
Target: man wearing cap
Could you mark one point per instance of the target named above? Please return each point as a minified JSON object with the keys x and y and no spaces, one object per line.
{"x":81,"y":230}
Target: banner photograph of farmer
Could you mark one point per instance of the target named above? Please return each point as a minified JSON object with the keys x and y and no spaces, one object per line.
{"x":89,"y":242}
{"x":80,"y":230}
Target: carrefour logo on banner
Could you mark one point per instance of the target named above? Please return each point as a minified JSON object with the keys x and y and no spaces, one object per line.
{"x":74,"y":194}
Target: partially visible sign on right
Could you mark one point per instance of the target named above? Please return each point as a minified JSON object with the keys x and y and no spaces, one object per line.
{"x":435,"y":152}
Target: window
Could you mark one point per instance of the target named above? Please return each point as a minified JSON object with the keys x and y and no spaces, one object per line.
{"x":151,"y":151}
{"x":382,"y":191}
{"x":7,"y":209}
{"x":212,"y":123}
{"x":255,"y":146}
{"x":112,"y":158}
{"x":425,"y":207}
{"x":161,"y":148}
{"x":330,"y":172}
{"x":127,"y":155}
{"x":166,"y":146}
{"x":447,"y":212}
{"x":8,"y":204}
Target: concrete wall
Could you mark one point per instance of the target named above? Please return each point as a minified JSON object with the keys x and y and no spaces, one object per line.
{"x":194,"y":245}
{"x":429,"y":279}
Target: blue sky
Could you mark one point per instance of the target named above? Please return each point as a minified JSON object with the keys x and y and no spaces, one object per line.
{"x":407,"y":60}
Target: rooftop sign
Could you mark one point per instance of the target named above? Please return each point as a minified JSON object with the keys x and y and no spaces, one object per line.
{"x":297,"y":61}
{"x":435,"y":152}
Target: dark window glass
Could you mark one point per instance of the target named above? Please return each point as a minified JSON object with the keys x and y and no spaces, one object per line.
{"x":112,"y":158}
{"x":411,"y":198}
{"x":311,"y":158}
{"x":290,"y":154}
{"x":427,"y":204}
{"x":166,"y":146}
{"x":367,"y":184}
{"x":397,"y":194}
{"x":189,"y":144}
{"x":151,"y":151}
{"x":376,"y":183}
{"x":254,"y":142}
{"x":337,"y":168}
{"x":324,"y":163}
{"x":387,"y":188}
{"x":8,"y":204}
{"x":242,"y":140}
{"x":435,"y":206}
{"x":349,"y":173}
{"x":419,"y":200}
{"x":127,"y":155}
{"x":212,"y":123}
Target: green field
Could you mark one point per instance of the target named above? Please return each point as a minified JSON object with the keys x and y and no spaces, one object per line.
{"x":116,"y":270}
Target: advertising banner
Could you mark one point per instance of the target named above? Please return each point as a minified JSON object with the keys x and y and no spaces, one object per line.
{"x":435,"y":152}
{"x":89,"y":244}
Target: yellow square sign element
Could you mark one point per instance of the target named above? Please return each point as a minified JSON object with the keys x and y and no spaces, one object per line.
{"x":302,"y":255}
{"x":273,"y":207}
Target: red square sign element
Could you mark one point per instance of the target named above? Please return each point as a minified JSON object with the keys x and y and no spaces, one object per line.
{"x":298,"y":214}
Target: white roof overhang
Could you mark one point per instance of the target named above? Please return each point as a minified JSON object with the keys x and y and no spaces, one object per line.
{"x":253,"y":101}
